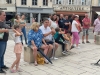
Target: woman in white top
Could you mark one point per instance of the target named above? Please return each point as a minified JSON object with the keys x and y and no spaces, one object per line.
{"x":75,"y":31}
{"x":53,"y":21}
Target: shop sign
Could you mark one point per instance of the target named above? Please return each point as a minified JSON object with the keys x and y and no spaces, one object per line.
{"x":70,"y":8}
{"x":3,"y":8}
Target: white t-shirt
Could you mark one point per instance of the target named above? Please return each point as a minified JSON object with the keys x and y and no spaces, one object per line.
{"x":17,"y":39}
{"x":54,"y":24}
{"x":46,"y":30}
{"x":74,"y":29}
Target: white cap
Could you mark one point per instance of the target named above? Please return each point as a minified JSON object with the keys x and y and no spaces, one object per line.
{"x":77,"y":15}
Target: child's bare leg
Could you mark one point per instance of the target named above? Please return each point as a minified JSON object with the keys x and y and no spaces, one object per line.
{"x":14,"y":62}
{"x":18,"y":58}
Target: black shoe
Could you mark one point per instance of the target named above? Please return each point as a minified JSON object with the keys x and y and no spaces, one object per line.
{"x":72,"y":47}
{"x":87,"y":42}
{"x":5,"y":67}
{"x":83,"y":42}
{"x":1,"y":71}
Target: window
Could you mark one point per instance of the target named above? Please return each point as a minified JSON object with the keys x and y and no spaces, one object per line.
{"x":71,"y":2}
{"x":9,"y":1}
{"x":83,"y":2}
{"x":99,"y":2}
{"x":58,"y":1}
{"x":45,"y":2}
{"x":23,"y":2}
{"x":34,"y":2}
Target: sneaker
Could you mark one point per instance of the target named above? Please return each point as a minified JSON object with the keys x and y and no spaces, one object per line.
{"x":46,"y":61}
{"x":65,"y":42}
{"x":78,"y":47}
{"x":83,"y":42}
{"x":1,"y":71}
{"x":87,"y":42}
{"x":64,"y":53}
{"x":72,"y":47}
{"x":54,"y":58}
{"x":5,"y":67}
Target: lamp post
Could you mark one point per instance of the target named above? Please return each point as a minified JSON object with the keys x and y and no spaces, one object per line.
{"x":91,"y":11}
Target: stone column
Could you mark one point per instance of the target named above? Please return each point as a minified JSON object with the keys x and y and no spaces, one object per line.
{"x":39,"y":17}
{"x":31,"y":17}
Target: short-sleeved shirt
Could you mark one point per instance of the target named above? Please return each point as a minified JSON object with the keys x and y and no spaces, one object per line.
{"x":66,"y":26}
{"x":6,"y":35}
{"x":86,"y":21}
{"x":45,"y":31}
{"x":61,"y":23}
{"x":74,"y":29}
{"x":17,"y":39}
{"x":97,"y":25}
{"x":36,"y":37}
{"x":15,"y":23}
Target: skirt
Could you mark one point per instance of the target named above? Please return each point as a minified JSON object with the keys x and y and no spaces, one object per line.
{"x":18,"y":48}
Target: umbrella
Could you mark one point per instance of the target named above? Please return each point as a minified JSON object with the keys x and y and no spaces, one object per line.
{"x":44,"y":55}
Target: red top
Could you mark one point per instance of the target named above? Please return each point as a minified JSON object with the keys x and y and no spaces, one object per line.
{"x":86,"y":23}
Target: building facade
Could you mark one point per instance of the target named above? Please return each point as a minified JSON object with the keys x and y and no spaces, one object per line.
{"x":68,"y":7}
{"x":95,"y":9}
{"x":34,"y":9}
{"x":9,"y":7}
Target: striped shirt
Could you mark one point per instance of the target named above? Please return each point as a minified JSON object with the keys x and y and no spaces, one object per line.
{"x":97,"y":25}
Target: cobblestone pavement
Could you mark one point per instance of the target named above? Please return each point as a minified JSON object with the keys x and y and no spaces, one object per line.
{"x":76,"y":62}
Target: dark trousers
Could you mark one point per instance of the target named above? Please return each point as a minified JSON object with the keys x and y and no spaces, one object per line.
{"x":2,"y":52}
{"x":24,"y":33}
{"x":60,"y":42}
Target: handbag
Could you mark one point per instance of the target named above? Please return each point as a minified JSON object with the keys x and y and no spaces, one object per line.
{"x":1,"y":35}
{"x":40,"y":59}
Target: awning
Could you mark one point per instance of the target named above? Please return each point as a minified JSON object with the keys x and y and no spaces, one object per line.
{"x":70,"y":13}
{"x":98,"y":13}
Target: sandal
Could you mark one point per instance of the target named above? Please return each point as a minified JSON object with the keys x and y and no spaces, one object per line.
{"x":12,"y":71}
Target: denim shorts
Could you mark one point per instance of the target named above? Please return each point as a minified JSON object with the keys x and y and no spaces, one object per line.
{"x":85,"y":32}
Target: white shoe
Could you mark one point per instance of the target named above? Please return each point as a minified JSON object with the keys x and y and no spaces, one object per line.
{"x":54,"y":58}
{"x":74,"y":45}
{"x":78,"y":47}
{"x":46,"y":61}
{"x":64,"y":53}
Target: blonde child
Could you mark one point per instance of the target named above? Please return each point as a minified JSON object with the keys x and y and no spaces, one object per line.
{"x":17,"y":48}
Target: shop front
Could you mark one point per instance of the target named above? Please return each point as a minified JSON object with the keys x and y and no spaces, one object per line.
{"x":95,"y":12}
{"x":69,"y":10}
{"x":37,"y":13}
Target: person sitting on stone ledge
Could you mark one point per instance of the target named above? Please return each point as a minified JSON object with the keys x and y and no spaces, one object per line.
{"x":47,"y":32}
{"x":35,"y":39}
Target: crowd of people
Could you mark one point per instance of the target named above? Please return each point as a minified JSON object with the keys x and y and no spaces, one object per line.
{"x":53,"y":31}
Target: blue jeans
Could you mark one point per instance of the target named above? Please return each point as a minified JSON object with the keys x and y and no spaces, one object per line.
{"x":2,"y":52}
{"x":24,"y":33}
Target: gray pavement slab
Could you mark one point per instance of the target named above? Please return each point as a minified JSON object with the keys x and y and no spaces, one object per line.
{"x":77,"y":62}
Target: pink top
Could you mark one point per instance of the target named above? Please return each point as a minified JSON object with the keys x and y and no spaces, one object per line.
{"x":86,"y":23}
{"x":97,"y":25}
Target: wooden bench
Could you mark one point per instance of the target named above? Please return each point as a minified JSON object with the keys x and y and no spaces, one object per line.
{"x":28,"y":54}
